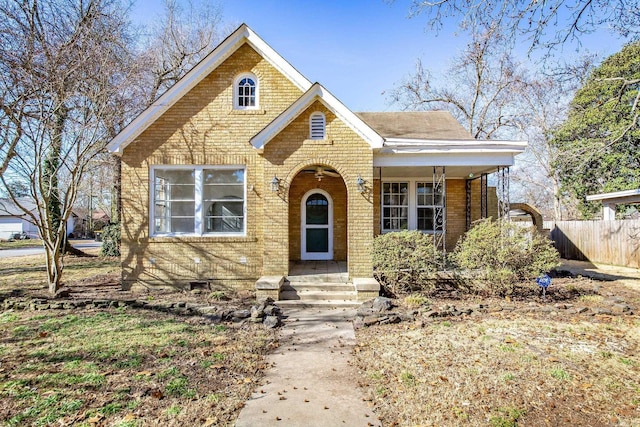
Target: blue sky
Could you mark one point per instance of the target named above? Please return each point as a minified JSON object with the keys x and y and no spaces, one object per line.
{"x":357,"y":49}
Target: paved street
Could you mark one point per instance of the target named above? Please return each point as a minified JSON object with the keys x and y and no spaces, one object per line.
{"x":79,"y":244}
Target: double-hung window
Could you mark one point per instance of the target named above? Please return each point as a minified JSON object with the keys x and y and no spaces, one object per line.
{"x":395,"y":206}
{"x":203,"y":200}
{"x":411,"y":205}
{"x":429,"y":205}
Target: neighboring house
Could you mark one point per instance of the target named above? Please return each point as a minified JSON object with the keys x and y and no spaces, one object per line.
{"x":83,"y":227}
{"x":14,"y":221}
{"x":244,"y":166}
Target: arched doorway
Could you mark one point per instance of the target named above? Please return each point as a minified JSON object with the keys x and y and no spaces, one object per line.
{"x":316,"y":226}
{"x":317,"y":187}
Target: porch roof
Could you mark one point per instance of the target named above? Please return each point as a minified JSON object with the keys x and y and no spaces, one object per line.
{"x":436,"y":138}
{"x":416,"y":125}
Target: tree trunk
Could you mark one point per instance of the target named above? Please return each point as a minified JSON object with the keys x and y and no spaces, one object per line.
{"x":55,"y":238}
{"x":116,"y":192}
{"x":54,"y":267}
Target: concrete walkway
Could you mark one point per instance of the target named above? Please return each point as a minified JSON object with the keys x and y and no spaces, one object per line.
{"x":310,"y":382}
{"x":627,"y":276}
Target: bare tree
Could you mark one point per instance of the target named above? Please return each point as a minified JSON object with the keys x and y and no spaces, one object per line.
{"x":547,"y":24}
{"x":173,"y":44}
{"x":479,"y":89}
{"x":539,"y":182}
{"x":64,"y":59}
{"x":544,"y":106}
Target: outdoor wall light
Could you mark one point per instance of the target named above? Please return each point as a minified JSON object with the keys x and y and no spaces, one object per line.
{"x":360,"y":184}
{"x":275,"y":184}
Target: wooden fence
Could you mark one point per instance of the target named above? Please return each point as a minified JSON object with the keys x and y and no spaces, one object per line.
{"x":606,"y":242}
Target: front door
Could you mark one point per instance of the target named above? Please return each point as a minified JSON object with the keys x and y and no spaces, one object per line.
{"x":317,"y":226}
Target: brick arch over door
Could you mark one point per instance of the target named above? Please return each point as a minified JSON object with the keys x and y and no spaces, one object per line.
{"x":299,"y":185}
{"x":310,"y":163}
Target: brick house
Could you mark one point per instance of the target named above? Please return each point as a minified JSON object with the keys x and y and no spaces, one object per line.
{"x":245,"y":169}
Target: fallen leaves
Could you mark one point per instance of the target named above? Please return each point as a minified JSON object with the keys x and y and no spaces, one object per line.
{"x":502,"y":360}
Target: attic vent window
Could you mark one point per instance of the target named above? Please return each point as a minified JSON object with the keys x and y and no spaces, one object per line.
{"x":317,"y":126}
{"x":246,"y":92}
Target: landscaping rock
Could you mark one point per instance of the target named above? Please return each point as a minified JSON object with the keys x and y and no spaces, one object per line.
{"x":578,"y":310}
{"x":240,"y":315}
{"x":272,"y":310}
{"x":271,"y":322}
{"x":206,"y":310}
{"x":381,"y":304}
{"x":620,"y":308}
{"x":213,"y":318}
{"x":365,"y":311}
{"x":257,"y":313}
{"x":265,"y":301}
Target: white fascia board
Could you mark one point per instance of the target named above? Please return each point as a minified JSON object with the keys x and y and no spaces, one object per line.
{"x":444,"y":159}
{"x":328,"y":100}
{"x":459,"y":145}
{"x":197,"y":74}
{"x":352,"y":120}
{"x":625,"y":196}
{"x":277,"y":61}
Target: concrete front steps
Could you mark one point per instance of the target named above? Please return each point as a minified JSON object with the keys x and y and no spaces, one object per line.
{"x":317,"y":283}
{"x":306,"y":293}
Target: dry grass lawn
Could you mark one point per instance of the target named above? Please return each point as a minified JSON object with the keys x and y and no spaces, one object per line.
{"x":119,"y":367}
{"x":506,"y":368}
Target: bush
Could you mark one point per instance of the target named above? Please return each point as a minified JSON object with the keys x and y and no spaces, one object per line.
{"x":499,"y":254}
{"x":110,"y":240}
{"x":405,"y":261}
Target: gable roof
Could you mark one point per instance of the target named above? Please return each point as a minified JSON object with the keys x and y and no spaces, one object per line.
{"x":239,"y":37}
{"x":424,"y":125}
{"x":317,"y":92}
{"x":9,"y":208}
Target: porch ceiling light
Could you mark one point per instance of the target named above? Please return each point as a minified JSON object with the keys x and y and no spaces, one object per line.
{"x":275,"y":184}
{"x":360,"y":184}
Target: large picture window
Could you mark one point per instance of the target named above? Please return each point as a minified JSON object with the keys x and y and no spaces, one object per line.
{"x":411,"y":205}
{"x":198,"y":200}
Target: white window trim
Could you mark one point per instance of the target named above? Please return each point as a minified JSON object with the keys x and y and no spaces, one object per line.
{"x":412,"y":215}
{"x":304,"y":255}
{"x":199,"y":213}
{"x":236,"y":83}
{"x":324,"y":125}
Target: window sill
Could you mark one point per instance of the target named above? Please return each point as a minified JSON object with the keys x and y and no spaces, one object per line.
{"x":209,"y":238}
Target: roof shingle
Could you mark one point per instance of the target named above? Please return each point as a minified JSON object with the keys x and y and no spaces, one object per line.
{"x":438,"y":125}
